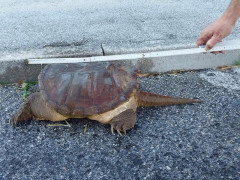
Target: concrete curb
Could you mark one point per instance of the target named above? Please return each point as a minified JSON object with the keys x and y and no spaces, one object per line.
{"x":14,"y":67}
{"x":187,"y":62}
{"x":165,"y":64}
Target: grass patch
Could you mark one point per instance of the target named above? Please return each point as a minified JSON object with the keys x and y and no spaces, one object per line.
{"x":237,"y":63}
{"x":25,"y":86}
{"x":4,"y":83}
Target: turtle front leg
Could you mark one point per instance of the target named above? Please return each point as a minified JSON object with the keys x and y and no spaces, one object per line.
{"x":24,"y":113}
{"x":36,"y":107}
{"x":123,"y":121}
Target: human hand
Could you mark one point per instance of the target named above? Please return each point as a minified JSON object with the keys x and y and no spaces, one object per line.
{"x":215,"y":32}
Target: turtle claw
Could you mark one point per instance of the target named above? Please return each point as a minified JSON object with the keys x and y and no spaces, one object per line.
{"x":123,"y":122}
{"x":112,"y":129}
{"x":118,"y":131}
{"x":120,"y":134}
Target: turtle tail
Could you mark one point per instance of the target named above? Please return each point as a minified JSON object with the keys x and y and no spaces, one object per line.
{"x":150,"y":99}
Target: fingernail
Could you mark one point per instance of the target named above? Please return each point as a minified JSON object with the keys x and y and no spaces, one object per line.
{"x":207,"y":48}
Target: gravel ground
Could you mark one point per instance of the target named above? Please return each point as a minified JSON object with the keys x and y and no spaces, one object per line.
{"x":200,"y":141}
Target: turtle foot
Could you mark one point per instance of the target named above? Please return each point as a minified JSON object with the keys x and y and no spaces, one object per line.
{"x":123,"y":122}
{"x":24,"y":113}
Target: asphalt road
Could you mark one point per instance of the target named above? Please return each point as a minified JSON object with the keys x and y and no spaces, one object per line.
{"x":28,"y":24}
{"x":199,"y":141}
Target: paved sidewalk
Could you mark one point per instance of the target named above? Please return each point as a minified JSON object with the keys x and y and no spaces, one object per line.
{"x":28,"y":25}
{"x":199,"y":141}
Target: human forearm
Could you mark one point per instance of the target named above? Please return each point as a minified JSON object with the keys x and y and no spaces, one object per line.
{"x":219,"y":29}
{"x":233,"y":12}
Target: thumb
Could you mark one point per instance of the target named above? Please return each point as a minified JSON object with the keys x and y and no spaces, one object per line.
{"x":214,"y":40}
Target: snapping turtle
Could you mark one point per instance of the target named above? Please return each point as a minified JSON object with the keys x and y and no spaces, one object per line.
{"x":104,"y":92}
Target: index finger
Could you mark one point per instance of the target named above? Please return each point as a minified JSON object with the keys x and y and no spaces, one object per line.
{"x":203,"y":38}
{"x":214,"y":40}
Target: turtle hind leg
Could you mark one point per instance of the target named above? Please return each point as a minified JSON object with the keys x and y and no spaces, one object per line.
{"x":123,"y":121}
{"x":24,"y":113}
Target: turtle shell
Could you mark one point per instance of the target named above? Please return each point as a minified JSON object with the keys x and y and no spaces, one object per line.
{"x":84,"y":89}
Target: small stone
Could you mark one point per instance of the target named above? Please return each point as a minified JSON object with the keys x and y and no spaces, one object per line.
{"x":211,"y":74}
{"x":168,"y":168}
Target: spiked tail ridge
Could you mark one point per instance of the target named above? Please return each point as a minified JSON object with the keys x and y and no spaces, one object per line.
{"x":150,"y":99}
